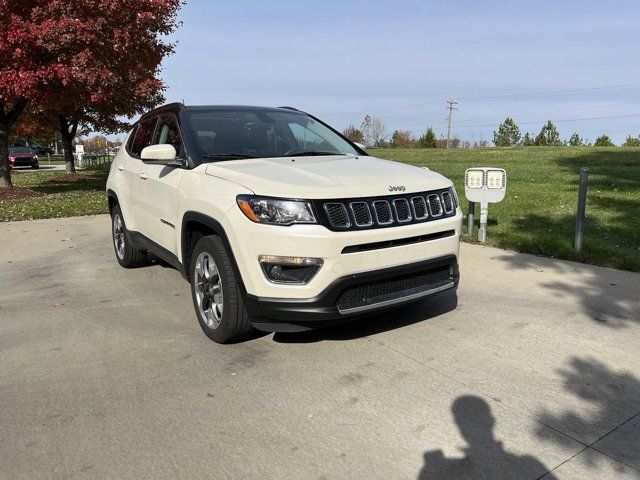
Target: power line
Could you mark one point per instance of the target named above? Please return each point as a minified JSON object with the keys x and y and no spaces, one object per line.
{"x":566,"y":120}
{"x":556,"y":93}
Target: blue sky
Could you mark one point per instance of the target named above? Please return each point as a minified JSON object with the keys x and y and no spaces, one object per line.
{"x":342,"y":59}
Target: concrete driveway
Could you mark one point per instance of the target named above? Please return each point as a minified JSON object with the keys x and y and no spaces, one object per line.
{"x":532,"y":371}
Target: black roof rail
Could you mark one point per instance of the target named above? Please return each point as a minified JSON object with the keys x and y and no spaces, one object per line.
{"x":290,"y":108}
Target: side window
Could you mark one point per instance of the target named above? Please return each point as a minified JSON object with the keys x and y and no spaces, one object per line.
{"x":168,"y":132}
{"x":142,"y":137}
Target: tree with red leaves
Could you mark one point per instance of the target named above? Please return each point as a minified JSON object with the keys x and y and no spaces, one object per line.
{"x":80,"y":63}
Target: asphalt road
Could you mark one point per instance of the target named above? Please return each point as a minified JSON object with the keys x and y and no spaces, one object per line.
{"x":104,"y":373}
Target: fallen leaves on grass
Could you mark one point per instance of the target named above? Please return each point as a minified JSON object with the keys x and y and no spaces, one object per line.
{"x":17,"y":193}
{"x":70,"y":178}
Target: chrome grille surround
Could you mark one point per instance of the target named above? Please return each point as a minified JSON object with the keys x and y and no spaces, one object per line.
{"x":401,"y":208}
{"x":420,"y":211}
{"x":337,"y":215}
{"x":361,"y":214}
{"x":383,"y":212}
{"x":435,"y":205}
{"x":447,"y":201}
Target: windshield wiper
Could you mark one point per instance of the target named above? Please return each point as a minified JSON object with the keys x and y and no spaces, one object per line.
{"x":226,"y":156}
{"x":311,"y":153}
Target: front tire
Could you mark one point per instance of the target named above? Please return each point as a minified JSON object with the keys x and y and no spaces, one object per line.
{"x":216,"y":293}
{"x":128,"y":256}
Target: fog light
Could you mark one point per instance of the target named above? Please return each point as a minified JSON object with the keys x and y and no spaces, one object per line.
{"x":293,"y":270}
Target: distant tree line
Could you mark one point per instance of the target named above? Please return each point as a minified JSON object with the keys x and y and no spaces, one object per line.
{"x":372,"y":133}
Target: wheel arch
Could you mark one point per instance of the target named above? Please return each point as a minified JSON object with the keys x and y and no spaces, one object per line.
{"x":196,"y":225}
{"x":112,"y":198}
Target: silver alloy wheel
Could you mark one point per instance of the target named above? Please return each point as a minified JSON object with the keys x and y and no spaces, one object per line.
{"x":118,"y":235}
{"x":208,"y":287}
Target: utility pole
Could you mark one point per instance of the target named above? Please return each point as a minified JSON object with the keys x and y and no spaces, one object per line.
{"x":450,"y":107}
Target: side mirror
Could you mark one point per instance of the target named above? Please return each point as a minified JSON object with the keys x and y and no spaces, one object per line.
{"x":164,"y":154}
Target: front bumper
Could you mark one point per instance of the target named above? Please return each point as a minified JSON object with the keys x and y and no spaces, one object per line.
{"x":356,"y":294}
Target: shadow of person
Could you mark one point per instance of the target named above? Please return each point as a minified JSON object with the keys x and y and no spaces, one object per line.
{"x":484,"y":457}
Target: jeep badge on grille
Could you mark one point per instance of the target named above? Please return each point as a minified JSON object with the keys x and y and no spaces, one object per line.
{"x":397,"y":188}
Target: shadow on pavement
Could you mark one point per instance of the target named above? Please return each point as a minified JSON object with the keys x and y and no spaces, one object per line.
{"x":608,"y":297}
{"x":615,"y":397}
{"x":382,"y":322}
{"x":484,"y":457}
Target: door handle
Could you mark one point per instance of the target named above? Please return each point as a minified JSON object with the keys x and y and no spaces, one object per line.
{"x":121,"y":167}
{"x":142,"y":175}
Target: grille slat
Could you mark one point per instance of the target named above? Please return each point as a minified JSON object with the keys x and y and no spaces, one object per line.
{"x":382,"y":290}
{"x":401,"y":206}
{"x":419,"y":208}
{"x":435,"y":206}
{"x":361,"y":214}
{"x":337,"y":213}
{"x":447,"y":201}
{"x":383,"y":212}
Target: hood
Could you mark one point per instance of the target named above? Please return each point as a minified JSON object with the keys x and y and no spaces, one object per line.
{"x":324,"y":177}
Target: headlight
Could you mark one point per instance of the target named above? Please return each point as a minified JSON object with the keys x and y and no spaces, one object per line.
{"x":276,"y":211}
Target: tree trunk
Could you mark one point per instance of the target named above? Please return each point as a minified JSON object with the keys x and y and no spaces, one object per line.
{"x":5,"y":171}
{"x":7,"y":119}
{"x":68,"y":129}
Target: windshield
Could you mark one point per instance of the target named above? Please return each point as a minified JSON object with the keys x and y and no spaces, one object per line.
{"x":234,"y":134}
{"x":20,"y":150}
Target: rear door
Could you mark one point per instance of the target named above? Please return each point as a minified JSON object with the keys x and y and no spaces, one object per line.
{"x":131,"y":168}
{"x":159,"y":189}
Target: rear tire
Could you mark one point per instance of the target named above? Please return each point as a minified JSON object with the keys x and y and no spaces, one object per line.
{"x":216,"y":293}
{"x":35,"y":167}
{"x":127,"y":254}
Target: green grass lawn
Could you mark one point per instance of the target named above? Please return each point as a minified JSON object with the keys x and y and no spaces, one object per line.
{"x":58,"y":198}
{"x":538,"y":213}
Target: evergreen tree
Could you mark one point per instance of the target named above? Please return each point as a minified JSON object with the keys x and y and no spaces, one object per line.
{"x":576,"y":141}
{"x":603,"y":141}
{"x":508,"y":134}
{"x":632,"y":142}
{"x":527,"y":140}
{"x":428,"y":139}
{"x":548,"y":136}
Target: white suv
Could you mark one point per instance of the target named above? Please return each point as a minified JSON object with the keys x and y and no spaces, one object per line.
{"x":279,"y":222}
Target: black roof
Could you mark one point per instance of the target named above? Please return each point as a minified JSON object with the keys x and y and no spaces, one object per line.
{"x":177,"y":106}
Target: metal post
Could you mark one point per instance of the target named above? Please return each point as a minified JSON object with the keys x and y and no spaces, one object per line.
{"x":582,"y":203}
{"x":470,"y":215}
{"x":484,"y":214}
{"x":49,"y":157}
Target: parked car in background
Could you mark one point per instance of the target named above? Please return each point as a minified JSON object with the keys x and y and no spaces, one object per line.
{"x":41,"y":150}
{"x":23,"y":157}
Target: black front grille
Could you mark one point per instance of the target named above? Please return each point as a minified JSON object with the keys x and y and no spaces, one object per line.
{"x":393,"y":288}
{"x":337,"y":214}
{"x":387,"y":211}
